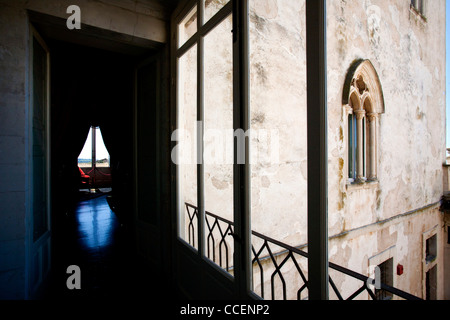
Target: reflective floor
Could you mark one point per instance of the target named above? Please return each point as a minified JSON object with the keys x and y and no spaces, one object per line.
{"x":96,"y":225}
{"x":92,"y":238}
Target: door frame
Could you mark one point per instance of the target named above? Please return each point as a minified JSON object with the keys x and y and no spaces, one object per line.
{"x":34,"y":250}
{"x":152,"y":231}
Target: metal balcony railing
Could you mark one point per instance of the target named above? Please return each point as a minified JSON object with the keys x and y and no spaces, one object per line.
{"x":270,"y":267}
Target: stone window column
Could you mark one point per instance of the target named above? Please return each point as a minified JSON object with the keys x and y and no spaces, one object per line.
{"x":360,"y":114}
{"x":373,"y":168}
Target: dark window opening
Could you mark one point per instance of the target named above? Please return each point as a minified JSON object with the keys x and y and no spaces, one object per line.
{"x":431,"y":249}
{"x":387,"y":278}
{"x":448,"y":235}
{"x":431,"y":284}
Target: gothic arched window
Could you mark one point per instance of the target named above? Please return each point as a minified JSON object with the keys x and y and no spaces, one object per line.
{"x":363,"y":103}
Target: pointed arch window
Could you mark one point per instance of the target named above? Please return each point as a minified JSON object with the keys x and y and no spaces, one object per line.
{"x":363,"y":103}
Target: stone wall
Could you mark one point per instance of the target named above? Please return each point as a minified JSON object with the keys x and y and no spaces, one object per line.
{"x":408,"y":53}
{"x":13,"y":149}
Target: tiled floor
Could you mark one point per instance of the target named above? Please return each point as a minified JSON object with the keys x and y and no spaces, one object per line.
{"x":92,"y":238}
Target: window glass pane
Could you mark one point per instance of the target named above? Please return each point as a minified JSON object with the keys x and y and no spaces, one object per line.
{"x":212,"y":7}
{"x":278,"y":141}
{"x":102,"y":157}
{"x":364,"y":146}
{"x":98,"y":176}
{"x":101,"y":153}
{"x":218,"y":143}
{"x":350,"y":147}
{"x":185,"y":154}
{"x":187,"y":27}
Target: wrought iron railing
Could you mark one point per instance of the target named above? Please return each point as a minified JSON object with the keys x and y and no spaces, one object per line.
{"x":270,"y":266}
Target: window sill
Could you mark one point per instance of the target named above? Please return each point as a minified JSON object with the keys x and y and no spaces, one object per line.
{"x":369,"y":184}
{"x":430,"y":259}
{"x":418,"y":14}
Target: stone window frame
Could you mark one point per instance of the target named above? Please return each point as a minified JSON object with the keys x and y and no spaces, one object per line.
{"x":362,"y":98}
{"x":419,"y":7}
{"x":380,"y":258}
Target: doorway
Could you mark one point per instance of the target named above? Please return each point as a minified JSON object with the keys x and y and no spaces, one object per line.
{"x":95,"y":84}
{"x":91,"y":90}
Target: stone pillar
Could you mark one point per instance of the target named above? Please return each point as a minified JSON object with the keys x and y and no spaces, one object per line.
{"x":373,"y":168}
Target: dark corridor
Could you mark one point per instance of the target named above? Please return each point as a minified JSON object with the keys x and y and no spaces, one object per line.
{"x":89,"y":87}
{"x":94,"y":87}
{"x":96,"y":242}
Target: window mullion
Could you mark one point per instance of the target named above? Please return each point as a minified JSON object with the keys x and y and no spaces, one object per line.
{"x":93,"y":149}
{"x":200,"y":133}
{"x":316,"y":60}
{"x":372,"y":117}
{"x":241,"y":176}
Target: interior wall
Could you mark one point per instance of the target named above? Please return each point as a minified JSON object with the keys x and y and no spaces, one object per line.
{"x":14,"y":158}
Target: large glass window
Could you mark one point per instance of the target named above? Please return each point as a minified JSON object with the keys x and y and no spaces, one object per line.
{"x":187,"y":147}
{"x":278,"y":144}
{"x":212,"y":7}
{"x":204,"y":135}
{"x":187,"y":27}
{"x":242,"y":74}
{"x":218,"y":141}
{"x":94,"y":149}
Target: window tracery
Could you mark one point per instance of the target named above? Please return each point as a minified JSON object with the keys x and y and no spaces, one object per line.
{"x":363,"y":104}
